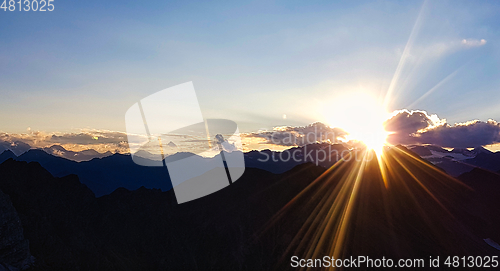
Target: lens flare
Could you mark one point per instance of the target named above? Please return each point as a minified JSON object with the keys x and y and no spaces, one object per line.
{"x":362,"y":116}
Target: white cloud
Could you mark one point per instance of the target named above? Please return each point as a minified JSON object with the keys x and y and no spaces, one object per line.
{"x":473,"y":42}
{"x":418,"y":127}
{"x":99,"y":140}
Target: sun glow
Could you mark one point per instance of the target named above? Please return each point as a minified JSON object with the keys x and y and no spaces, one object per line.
{"x":362,"y":116}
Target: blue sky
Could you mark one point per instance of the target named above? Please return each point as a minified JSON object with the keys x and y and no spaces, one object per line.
{"x":84,"y":64}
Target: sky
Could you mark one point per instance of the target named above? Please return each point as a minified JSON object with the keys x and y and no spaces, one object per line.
{"x":84,"y":64}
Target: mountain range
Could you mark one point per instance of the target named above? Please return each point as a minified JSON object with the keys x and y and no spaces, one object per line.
{"x":85,"y":155}
{"x":105,"y":174}
{"x":459,"y":161}
{"x":101,"y":175}
{"x":253,"y":224}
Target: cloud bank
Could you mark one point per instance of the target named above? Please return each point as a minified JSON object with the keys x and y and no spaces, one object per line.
{"x":418,"y":127}
{"x":99,"y":140}
{"x":300,"y":135}
{"x":406,"y":127}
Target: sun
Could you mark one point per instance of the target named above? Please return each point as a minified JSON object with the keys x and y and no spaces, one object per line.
{"x":375,"y":141}
{"x":362,"y":116}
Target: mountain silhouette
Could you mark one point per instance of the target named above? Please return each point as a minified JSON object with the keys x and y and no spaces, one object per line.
{"x":402,"y":208}
{"x":69,"y":228}
{"x":459,"y":161}
{"x":322,"y":154}
{"x":84,"y":155}
{"x":257,"y":223}
{"x":7,"y":154}
{"x":103,"y":175}
{"x":486,"y":160}
{"x":422,"y":150}
{"x":17,"y":147}
{"x":14,"y":248}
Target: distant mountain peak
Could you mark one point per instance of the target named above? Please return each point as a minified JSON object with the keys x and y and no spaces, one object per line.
{"x":17,"y":147}
{"x":90,"y":152}
{"x":85,"y":155}
{"x":481,"y":149}
{"x":57,"y":147}
{"x":36,"y":152}
{"x":9,"y":153}
{"x":6,"y":155}
{"x":172,"y":144}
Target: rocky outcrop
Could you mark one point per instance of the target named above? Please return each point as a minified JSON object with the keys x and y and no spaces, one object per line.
{"x":14,"y":249}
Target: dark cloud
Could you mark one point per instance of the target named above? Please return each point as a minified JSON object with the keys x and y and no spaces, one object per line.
{"x":406,"y":122}
{"x":465,"y":135}
{"x":301,"y":135}
{"x":418,"y":127}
